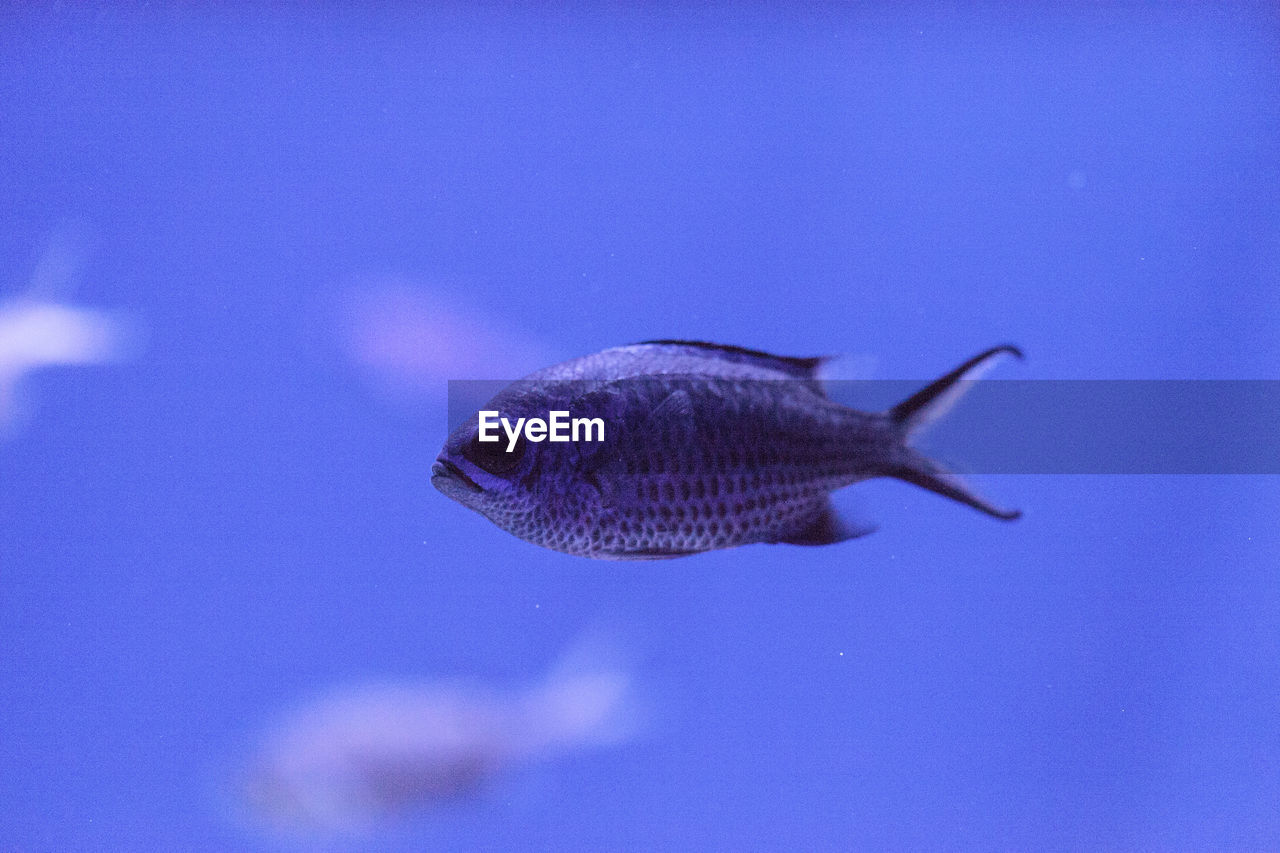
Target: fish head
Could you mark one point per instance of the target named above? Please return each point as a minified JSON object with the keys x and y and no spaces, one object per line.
{"x":507,"y":482}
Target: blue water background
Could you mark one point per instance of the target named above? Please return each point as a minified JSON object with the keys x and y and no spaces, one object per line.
{"x":237,"y":517}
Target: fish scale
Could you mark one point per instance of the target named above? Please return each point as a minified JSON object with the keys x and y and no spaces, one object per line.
{"x":724,"y":477}
{"x":706,"y":446}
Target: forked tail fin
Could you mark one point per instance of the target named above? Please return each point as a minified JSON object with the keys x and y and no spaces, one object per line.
{"x":932,"y":401}
{"x":926,"y":406}
{"x":922,"y":471}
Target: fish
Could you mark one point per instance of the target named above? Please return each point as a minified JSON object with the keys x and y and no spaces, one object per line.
{"x":706,"y":446}
{"x":40,"y":329}
{"x":363,"y":757}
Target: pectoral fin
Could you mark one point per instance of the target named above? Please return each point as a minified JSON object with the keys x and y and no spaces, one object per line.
{"x":676,"y":409}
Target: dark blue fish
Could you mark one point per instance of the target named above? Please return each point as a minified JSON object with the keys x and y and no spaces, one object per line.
{"x":705,"y":446}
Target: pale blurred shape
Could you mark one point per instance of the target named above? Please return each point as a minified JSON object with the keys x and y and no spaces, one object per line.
{"x":38,"y":331}
{"x":410,"y":340}
{"x":360,"y":757}
{"x":38,"y":334}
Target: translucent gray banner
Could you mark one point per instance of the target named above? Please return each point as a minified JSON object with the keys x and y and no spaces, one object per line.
{"x":1064,"y":426}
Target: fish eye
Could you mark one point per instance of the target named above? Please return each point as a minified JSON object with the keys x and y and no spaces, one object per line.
{"x":492,"y":456}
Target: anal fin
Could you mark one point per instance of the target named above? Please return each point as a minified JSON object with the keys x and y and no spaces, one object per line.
{"x":827,"y":527}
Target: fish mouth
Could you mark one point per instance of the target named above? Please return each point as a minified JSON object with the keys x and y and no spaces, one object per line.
{"x":445,"y":470}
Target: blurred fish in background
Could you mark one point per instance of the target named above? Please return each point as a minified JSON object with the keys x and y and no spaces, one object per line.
{"x":408,"y":339}
{"x":360,"y":758}
{"x":40,"y":328}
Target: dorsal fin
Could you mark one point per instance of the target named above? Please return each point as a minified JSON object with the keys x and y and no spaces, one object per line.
{"x":800,"y":368}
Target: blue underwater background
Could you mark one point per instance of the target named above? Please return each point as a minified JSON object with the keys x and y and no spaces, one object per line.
{"x":313,"y":216}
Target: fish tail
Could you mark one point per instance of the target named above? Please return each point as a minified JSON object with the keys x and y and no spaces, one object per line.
{"x":923,"y":408}
{"x":935,"y":399}
{"x":920,"y":470}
